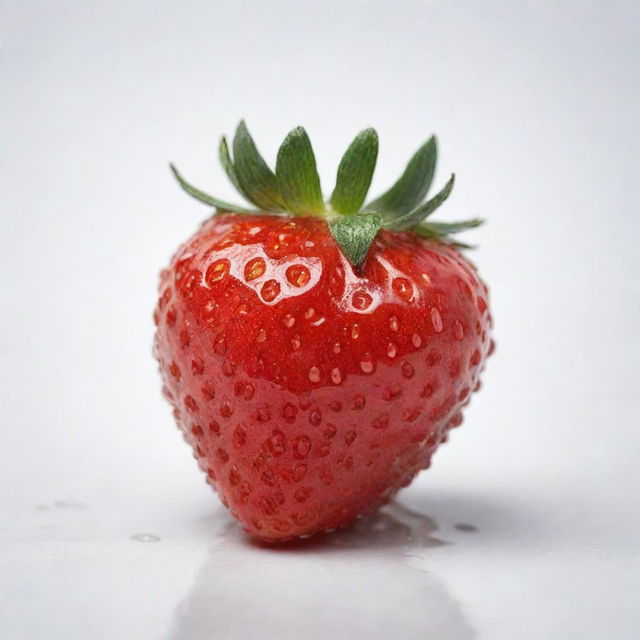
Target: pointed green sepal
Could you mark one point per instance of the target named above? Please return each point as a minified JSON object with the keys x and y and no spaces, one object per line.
{"x":228,"y":166}
{"x":415,"y":217}
{"x":355,"y":173}
{"x":440,"y":229}
{"x":256,"y":180}
{"x":297,"y":175}
{"x":354,"y":234}
{"x":412,"y":186}
{"x":204,"y":197}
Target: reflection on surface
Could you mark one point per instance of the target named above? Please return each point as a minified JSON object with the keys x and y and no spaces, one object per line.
{"x":362,"y":582}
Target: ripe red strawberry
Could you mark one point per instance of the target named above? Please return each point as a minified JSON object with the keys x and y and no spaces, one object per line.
{"x":316,"y":355}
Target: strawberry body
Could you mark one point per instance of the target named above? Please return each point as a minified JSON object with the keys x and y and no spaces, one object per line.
{"x":310,"y":390}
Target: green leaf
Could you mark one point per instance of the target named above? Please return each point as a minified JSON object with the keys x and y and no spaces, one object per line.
{"x":415,"y":217}
{"x":439,"y":229}
{"x":256,"y":180}
{"x":412,"y":186}
{"x":204,"y":197}
{"x":297,"y":176}
{"x":227,"y":164}
{"x":354,"y":234}
{"x":355,"y":173}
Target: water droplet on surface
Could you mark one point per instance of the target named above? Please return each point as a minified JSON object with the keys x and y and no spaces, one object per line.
{"x":392,"y":350}
{"x":436,"y":320}
{"x":403,"y":288}
{"x":355,"y":331}
{"x":458,"y":330}
{"x":270,"y":290}
{"x":314,"y":374}
{"x":309,"y":313}
{"x":361,"y":300}
{"x":145,"y":537}
{"x":366,"y":364}
{"x":254,"y":269}
{"x":298,"y":275}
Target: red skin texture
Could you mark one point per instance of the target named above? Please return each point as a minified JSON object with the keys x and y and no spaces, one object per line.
{"x":312,"y":392}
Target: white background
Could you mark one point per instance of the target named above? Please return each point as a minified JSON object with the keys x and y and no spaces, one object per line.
{"x":536,"y":107}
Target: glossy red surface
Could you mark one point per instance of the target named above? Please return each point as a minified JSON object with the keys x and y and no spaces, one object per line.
{"x":310,"y":392}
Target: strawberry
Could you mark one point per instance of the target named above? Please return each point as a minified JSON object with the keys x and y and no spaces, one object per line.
{"x":317,"y":354}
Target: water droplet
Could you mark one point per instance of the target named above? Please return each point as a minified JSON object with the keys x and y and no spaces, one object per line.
{"x":309,"y":313}
{"x":366,"y":364}
{"x":416,"y":340}
{"x":254,"y":269}
{"x":270,"y":290}
{"x":436,"y":320}
{"x":403,"y":288}
{"x":392,"y":350}
{"x":216,"y":271}
{"x":393,"y":323}
{"x":314,"y":374}
{"x":361,"y":300}
{"x":298,"y":275}
{"x":336,"y":376}
{"x":288,"y":320}
{"x":458,"y":330}
{"x":407,"y":370}
{"x":301,"y":447}
{"x":261,"y":336}
{"x":355,"y":331}
{"x":145,"y":537}
{"x":318,"y":321}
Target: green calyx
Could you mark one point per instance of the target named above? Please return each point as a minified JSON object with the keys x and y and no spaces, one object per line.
{"x":294,"y":188}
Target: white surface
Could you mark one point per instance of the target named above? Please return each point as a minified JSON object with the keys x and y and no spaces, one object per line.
{"x":536,"y":107}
